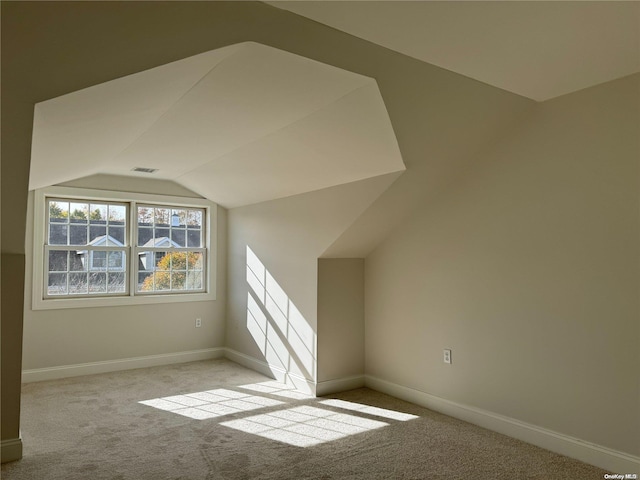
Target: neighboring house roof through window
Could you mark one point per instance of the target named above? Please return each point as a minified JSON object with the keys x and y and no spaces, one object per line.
{"x":161,"y":242}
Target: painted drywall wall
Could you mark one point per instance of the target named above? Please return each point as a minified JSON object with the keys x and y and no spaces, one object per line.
{"x":75,"y":336}
{"x":284,"y":238}
{"x":527,"y":268}
{"x":340,"y":318}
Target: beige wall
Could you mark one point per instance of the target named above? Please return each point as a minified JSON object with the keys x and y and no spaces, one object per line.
{"x":287,"y":236}
{"x":340,"y":318}
{"x":84,"y":335}
{"x":527,"y":268}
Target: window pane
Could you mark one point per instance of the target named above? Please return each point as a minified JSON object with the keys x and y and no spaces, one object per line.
{"x":116,"y":261}
{"x":98,"y":260}
{"x":151,"y":261}
{"x":97,"y":235}
{"x":57,"y":284}
{"x":98,"y":213}
{"x":78,"y":261}
{"x":178,"y":260}
{"x":117,"y":282}
{"x":58,"y":261}
{"x":97,"y":282}
{"x":116,"y":235}
{"x":162,"y":260}
{"x":78,"y":283}
{"x":194,"y":280}
{"x":162,"y":236}
{"x":194,"y":218}
{"x":194,"y":238}
{"x":58,"y":234}
{"x":162,"y":281}
{"x":145,"y":282}
{"x":79,"y":212}
{"x":117,"y":214}
{"x":145,"y":237}
{"x":145,"y":216}
{"x":145,"y":261}
{"x":162,"y":216}
{"x":178,"y":237}
{"x":178,"y":218}
{"x":77,"y":234}
{"x":195,"y":260}
{"x":58,"y":211}
{"x":178,"y":280}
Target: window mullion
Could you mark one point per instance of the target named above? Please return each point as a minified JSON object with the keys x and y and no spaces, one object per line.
{"x":133,"y":244}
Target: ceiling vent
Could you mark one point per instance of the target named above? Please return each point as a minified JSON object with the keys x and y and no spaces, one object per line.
{"x":144,"y":170}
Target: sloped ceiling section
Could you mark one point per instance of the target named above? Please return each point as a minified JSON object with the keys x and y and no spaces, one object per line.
{"x":238,"y":125}
{"x":536,"y":49}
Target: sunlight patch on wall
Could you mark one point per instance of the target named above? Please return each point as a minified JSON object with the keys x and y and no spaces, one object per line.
{"x":281,"y":332}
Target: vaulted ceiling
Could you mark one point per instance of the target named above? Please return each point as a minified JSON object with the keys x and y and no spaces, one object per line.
{"x":238,"y":125}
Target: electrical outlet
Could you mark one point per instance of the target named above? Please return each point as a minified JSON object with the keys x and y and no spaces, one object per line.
{"x":198,"y":322}
{"x":446,"y":355}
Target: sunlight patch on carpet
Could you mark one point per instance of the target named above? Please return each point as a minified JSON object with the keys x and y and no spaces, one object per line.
{"x":278,"y":389}
{"x":369,"y":410}
{"x":304,"y":426}
{"x":210,"y":403}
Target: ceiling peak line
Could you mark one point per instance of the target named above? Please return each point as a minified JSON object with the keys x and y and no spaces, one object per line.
{"x":232,"y":51}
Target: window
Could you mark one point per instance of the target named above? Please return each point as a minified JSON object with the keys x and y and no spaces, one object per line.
{"x":85,"y":250}
{"x":110,"y":248}
{"x":169,"y":246}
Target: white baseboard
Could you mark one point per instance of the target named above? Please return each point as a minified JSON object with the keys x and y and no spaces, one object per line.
{"x":64,"y":371}
{"x":10,"y":450}
{"x":603,"y":457}
{"x":278,"y":373}
{"x":328,"y":387}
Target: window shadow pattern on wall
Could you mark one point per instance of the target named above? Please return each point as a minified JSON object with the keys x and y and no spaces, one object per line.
{"x":283,"y":335}
{"x":284,"y":418}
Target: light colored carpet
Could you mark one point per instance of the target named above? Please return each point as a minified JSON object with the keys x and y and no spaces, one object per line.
{"x":223,"y":422}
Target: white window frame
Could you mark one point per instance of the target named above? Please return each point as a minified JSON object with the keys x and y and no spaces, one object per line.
{"x":40,"y":301}
{"x":137,"y":249}
{"x":89,"y":249}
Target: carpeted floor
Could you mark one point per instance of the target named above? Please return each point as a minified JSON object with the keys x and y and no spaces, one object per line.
{"x":216,"y":420}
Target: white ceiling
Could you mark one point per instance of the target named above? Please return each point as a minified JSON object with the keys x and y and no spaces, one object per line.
{"x":238,"y":125}
{"x":536,"y":49}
